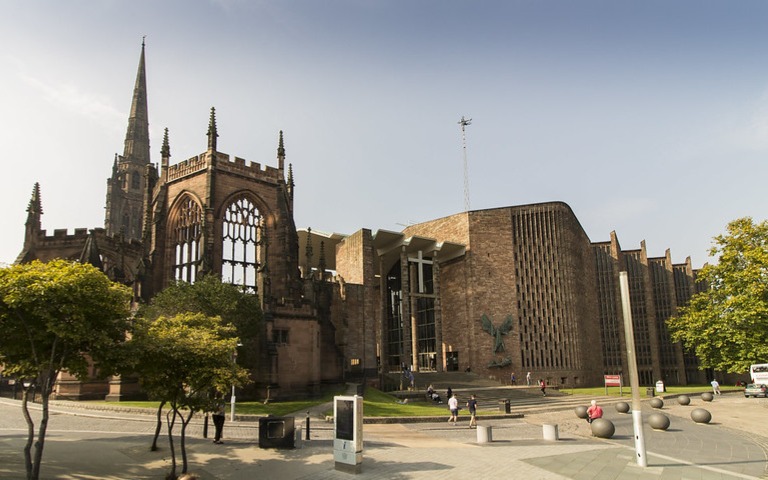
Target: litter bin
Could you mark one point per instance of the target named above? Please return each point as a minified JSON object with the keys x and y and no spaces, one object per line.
{"x":505,"y":407}
{"x":277,"y":432}
{"x":649,"y":392}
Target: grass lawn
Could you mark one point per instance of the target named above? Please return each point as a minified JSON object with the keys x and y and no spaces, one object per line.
{"x":376,"y":404}
{"x":380,"y":404}
{"x":275,"y":408}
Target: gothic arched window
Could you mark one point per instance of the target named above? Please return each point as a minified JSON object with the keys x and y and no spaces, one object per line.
{"x":241,"y":235}
{"x":186,"y":233}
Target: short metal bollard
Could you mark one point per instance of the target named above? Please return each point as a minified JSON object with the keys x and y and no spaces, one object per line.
{"x":484,"y":434}
{"x":550,"y":433}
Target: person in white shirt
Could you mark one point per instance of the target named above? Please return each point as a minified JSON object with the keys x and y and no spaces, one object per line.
{"x":715,"y":387}
{"x":453,"y":405}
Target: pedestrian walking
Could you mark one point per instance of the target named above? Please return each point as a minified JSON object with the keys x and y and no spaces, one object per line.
{"x":472,"y":407}
{"x":715,"y":387}
{"x":218,"y":422}
{"x":512,"y":379}
{"x":528,"y":379}
{"x":453,"y":406}
{"x":543,"y":386}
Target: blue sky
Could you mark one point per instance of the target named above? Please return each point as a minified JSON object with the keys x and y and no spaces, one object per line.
{"x":649,"y":118}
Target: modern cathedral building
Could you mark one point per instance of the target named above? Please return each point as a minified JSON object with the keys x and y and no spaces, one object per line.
{"x":518,"y":288}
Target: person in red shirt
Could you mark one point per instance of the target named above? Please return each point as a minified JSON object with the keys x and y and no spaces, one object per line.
{"x":594,"y":411}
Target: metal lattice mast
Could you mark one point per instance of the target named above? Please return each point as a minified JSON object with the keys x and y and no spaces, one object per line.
{"x":464,"y":122}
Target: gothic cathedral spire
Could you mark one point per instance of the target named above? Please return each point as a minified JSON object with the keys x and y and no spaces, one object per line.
{"x":137,"y":137}
{"x":125,"y":188}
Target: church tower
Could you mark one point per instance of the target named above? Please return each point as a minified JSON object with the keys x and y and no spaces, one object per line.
{"x":126,"y":186}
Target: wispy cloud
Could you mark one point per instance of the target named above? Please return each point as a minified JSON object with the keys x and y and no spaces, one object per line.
{"x":71,"y":98}
{"x":752,"y":132}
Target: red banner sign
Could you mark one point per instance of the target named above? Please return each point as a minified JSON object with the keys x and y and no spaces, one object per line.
{"x":612,"y":380}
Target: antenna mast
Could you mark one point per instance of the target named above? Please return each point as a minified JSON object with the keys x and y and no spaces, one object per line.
{"x":464,"y":122}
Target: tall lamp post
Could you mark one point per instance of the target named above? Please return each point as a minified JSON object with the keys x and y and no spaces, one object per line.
{"x":233,"y":398}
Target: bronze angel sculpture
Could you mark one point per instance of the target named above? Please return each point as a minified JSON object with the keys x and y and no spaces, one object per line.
{"x":497,"y":332}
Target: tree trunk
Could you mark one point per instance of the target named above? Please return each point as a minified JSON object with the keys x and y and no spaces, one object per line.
{"x":184,"y":423}
{"x":30,"y":432}
{"x":171,"y":419}
{"x":158,"y":427}
{"x":40,"y":444}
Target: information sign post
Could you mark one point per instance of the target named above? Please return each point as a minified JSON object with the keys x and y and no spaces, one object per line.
{"x":613,"y":381}
{"x":348,"y":433}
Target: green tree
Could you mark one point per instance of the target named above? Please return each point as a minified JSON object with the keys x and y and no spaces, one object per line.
{"x":210,"y":297}
{"x":213,"y":298}
{"x":727,"y":324}
{"x":56,"y":316}
{"x":186,"y":361}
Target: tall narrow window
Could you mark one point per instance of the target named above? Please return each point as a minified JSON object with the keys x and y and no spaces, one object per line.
{"x":240,"y":255}
{"x":394,"y":319}
{"x":186,"y":232}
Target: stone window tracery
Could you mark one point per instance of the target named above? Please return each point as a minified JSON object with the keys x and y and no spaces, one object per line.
{"x":186,"y":235}
{"x":241,"y":239}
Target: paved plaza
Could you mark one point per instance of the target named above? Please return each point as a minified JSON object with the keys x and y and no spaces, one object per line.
{"x":87,"y":444}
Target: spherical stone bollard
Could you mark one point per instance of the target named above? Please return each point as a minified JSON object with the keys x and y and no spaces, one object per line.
{"x":580,"y":411}
{"x":707,"y":396}
{"x":602,"y":428}
{"x":622,"y":407}
{"x":658,"y":421}
{"x":684,"y":400}
{"x":656,"y":402}
{"x":700,"y":415}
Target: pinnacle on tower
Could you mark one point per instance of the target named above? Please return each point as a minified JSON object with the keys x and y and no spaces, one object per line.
{"x":165,"y":151}
{"x":321,"y":262}
{"x":212,"y":132}
{"x":280,"y":152}
{"x":35,"y":207}
{"x":308,"y":252}
{"x":137,"y":136}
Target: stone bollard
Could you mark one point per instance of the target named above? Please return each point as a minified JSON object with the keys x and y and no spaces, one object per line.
{"x":684,"y":400}
{"x":580,"y":411}
{"x":484,"y":434}
{"x":297,"y":442}
{"x":603,"y":428}
{"x":656,"y":402}
{"x":707,"y":396}
{"x":550,"y":433}
{"x":622,"y":407}
{"x":658,"y":421}
{"x":699,"y":415}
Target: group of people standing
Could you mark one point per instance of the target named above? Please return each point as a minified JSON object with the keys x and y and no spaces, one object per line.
{"x":529,"y":381}
{"x":453,"y":401}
